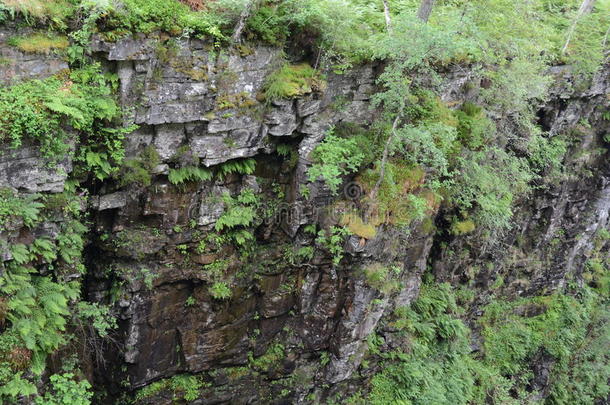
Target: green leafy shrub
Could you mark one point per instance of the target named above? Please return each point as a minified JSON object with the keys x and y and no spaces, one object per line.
{"x":333,"y":158}
{"x":463,"y":227}
{"x":38,"y":110}
{"x":438,"y":367}
{"x":570,"y":330}
{"x":138,"y":170}
{"x":239,"y":212}
{"x":272,"y":358}
{"x":400,"y":198}
{"x":35,"y":309}
{"x":382,"y":277}
{"x":487,"y":184}
{"x":546,"y":155}
{"x":333,"y":240}
{"x":268,"y":24}
{"x":52,"y":12}
{"x":220,"y":290}
{"x":21,"y":208}
{"x":66,"y":391}
{"x":98,"y":316}
{"x":182,"y":386}
{"x":164,"y":15}
{"x":474,"y":129}
{"x":516,"y":87}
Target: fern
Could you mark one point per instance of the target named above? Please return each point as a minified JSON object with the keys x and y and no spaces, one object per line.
{"x":189,"y":173}
{"x":17,"y":387}
{"x":246,"y":166}
{"x":26,"y":208}
{"x":45,"y":248}
{"x":20,"y":253}
{"x":38,"y":110}
{"x":240,"y":211}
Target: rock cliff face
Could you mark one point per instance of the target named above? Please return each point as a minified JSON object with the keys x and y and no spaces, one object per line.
{"x":290,"y":322}
{"x":555,"y":227}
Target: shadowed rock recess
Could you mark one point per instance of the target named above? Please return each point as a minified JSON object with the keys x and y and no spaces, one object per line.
{"x":235,"y":277}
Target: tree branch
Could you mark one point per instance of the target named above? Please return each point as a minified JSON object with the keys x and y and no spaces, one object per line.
{"x":243,"y":18}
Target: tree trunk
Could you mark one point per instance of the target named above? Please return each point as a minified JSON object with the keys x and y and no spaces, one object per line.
{"x":425,"y":9}
{"x":386,"y":13}
{"x":585,"y":8}
{"x":243,"y":17}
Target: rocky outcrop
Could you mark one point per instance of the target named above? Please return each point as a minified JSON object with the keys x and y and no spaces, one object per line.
{"x":555,"y":227}
{"x":296,"y":321}
{"x":18,"y":65}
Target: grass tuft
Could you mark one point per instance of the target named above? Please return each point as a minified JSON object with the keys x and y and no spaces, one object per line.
{"x":292,"y":81}
{"x":40,"y":43}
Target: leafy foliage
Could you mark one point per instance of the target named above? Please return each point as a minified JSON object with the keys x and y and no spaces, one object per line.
{"x":37,"y":111}
{"x":333,"y":240}
{"x":163,"y":15}
{"x":66,"y":391}
{"x":239,"y":212}
{"x":220,"y":290}
{"x":245,"y":166}
{"x":25,"y":209}
{"x":488,"y":183}
{"x":182,"y":386}
{"x":138,"y":170}
{"x":438,"y":367}
{"x":188,"y":173}
{"x":36,"y":307}
{"x":55,"y":12}
{"x":333,"y":158}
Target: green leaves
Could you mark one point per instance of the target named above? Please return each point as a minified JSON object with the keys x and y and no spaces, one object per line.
{"x":220,"y":290}
{"x":189,"y":173}
{"x":65,"y":390}
{"x":36,"y":307}
{"x":36,"y":111}
{"x":239,"y":212}
{"x":438,"y":367}
{"x":244,"y":166}
{"x":98,"y":315}
{"x":167,"y":15}
{"x":487,"y":184}
{"x":20,"y":253}
{"x":333,"y":158}
{"x":16,"y":387}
